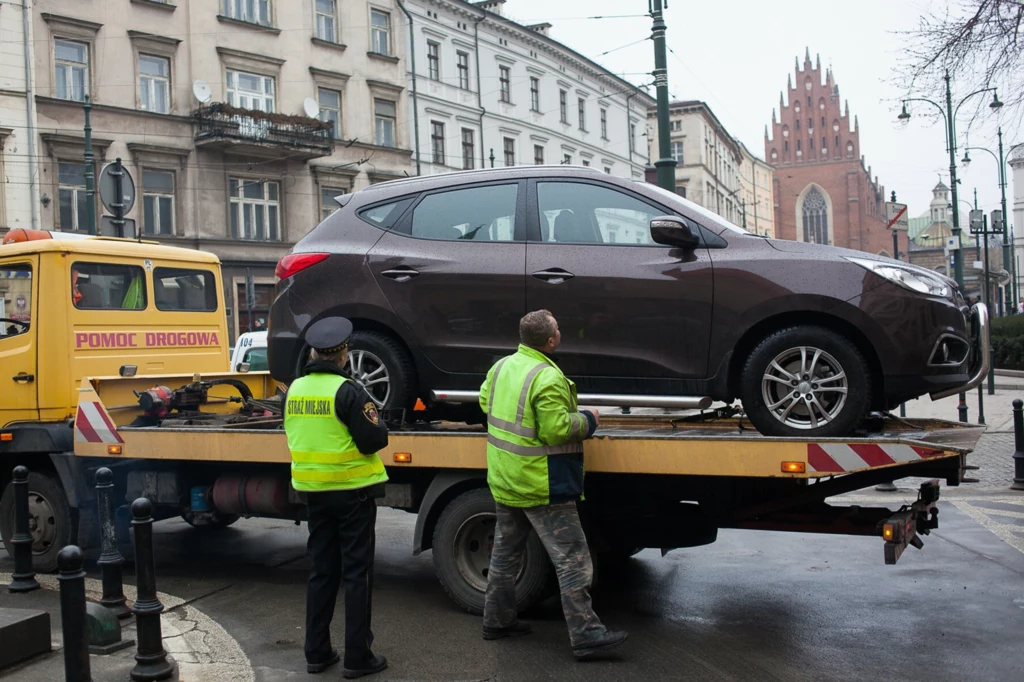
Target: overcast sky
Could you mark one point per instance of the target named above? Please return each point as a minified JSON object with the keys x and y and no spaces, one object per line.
{"x":736,"y":56}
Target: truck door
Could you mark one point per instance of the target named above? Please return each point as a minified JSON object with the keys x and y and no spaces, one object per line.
{"x":19,"y":296}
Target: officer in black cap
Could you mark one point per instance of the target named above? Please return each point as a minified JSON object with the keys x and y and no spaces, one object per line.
{"x":334,"y":432}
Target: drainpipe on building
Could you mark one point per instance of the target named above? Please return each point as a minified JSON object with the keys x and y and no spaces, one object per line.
{"x":30,"y":100}
{"x":632,"y":142}
{"x":479,"y":92}
{"x":415,"y":100}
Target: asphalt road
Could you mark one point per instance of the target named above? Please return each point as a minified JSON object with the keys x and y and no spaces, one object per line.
{"x":753,"y":606}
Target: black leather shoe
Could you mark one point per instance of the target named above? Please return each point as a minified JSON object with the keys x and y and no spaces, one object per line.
{"x":314,"y":668}
{"x":608,"y":640}
{"x":375,"y":665}
{"x":513,"y":630}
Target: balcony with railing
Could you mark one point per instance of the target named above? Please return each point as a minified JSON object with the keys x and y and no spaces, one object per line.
{"x":261,"y":134}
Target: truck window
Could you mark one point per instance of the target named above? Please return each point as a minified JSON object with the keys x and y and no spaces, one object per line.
{"x":184,"y":289}
{"x":257,"y":359}
{"x":108,"y":286}
{"x":15,"y":299}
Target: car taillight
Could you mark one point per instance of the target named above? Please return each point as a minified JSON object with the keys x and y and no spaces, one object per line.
{"x":296,"y":262}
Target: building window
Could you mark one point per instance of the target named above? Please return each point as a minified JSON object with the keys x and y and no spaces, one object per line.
{"x":563,"y":105}
{"x":250,"y":91}
{"x":252,"y":11}
{"x":154,"y":84}
{"x":468,"y":149}
{"x":581,"y":107}
{"x":380,"y":32}
{"x":157,"y":202}
{"x":505,"y":79}
{"x":534,"y":94}
{"x":437,"y":142}
{"x":384,"y":122}
{"x":681,"y":190}
{"x":510,"y":151}
{"x":815,"y":216}
{"x":538,"y":155}
{"x":71,"y":70}
{"x":785,"y":146}
{"x":330,"y":109}
{"x":433,"y":60}
{"x":327,"y":203}
{"x":463,"y":59}
{"x":632,"y":137}
{"x":677,"y":152}
{"x":586,"y":163}
{"x":607,"y":170}
{"x":567,"y":159}
{"x":604,"y":124}
{"x":327,"y":20}
{"x":255,"y":209}
{"x":71,"y":213}
{"x":798,"y":124}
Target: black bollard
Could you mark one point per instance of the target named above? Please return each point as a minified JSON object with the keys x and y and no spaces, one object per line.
{"x":1018,"y":442}
{"x":961,"y":407}
{"x":151,"y":661}
{"x":72,"y":615}
{"x":110,"y":561}
{"x":24,"y":578}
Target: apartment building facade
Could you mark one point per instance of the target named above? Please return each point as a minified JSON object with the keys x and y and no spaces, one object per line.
{"x":18,"y":154}
{"x":239,"y":120}
{"x":757,"y":201}
{"x":490,"y":92}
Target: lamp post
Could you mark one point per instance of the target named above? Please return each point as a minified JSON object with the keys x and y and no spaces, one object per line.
{"x":1007,"y":258}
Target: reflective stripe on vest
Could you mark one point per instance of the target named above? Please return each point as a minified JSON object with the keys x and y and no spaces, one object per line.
{"x":517,"y":426}
{"x":534,"y":450}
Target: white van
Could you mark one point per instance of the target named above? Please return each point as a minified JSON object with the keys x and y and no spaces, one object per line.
{"x":251,"y":348}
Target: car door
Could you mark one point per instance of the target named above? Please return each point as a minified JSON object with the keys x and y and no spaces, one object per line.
{"x":19,"y":296}
{"x":452,"y":270}
{"x":633,"y":313}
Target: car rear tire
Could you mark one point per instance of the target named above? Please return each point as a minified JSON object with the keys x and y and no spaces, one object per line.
{"x":806,"y":381}
{"x":49,"y":519}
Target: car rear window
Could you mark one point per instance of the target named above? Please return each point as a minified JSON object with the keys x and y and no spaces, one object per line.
{"x":108,"y":286}
{"x":184,"y":289}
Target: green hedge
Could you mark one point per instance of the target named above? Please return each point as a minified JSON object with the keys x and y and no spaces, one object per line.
{"x":1008,"y":351}
{"x":1011,"y":325}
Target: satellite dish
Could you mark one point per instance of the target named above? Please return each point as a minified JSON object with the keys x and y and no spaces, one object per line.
{"x":311,"y":108}
{"x":201,"y":91}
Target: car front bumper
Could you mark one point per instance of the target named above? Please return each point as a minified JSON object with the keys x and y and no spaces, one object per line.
{"x":981,"y":353}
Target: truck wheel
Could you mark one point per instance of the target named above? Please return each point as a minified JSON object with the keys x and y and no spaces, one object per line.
{"x":463,"y":540}
{"x":49,"y":519}
{"x":806,"y":382}
{"x":212,"y":520}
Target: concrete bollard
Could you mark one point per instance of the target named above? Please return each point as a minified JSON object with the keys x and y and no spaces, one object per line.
{"x":1018,"y":443}
{"x":24,"y":578}
{"x":151,"y":662}
{"x":110,"y":561}
{"x":72,"y":615}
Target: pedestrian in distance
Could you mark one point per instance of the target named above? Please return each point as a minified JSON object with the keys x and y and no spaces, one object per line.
{"x":334,"y":432}
{"x":535,"y":435}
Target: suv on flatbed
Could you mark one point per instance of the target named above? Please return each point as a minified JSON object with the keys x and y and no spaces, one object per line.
{"x":655,"y":296}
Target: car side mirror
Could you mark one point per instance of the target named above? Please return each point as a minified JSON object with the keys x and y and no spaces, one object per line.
{"x":673,"y":231}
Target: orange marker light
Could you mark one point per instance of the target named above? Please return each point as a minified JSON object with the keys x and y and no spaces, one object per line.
{"x":403,"y":457}
{"x":114,"y":449}
{"x":6,"y":437}
{"x":794,"y":467}
{"x":888,"y":532}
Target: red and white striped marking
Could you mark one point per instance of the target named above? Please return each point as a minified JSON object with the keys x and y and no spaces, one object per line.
{"x":93,"y":425}
{"x":840,"y":457}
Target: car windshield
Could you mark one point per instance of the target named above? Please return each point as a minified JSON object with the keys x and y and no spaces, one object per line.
{"x":257,"y":359}
{"x":713,"y":219}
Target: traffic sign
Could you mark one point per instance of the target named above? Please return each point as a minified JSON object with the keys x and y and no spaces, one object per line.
{"x":896,"y":216}
{"x":108,"y":189}
{"x":977,"y":222}
{"x":109,"y":227}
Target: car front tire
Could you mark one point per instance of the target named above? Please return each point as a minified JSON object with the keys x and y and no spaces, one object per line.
{"x":806,"y":381}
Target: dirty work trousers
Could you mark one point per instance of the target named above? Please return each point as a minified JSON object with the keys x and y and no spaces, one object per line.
{"x":558,"y":527}
{"x":341,"y":545}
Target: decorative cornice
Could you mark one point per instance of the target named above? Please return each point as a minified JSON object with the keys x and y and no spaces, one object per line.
{"x":383,"y":85}
{"x":320,"y":42}
{"x":156,"y":4}
{"x":241,"y":57}
{"x":139,"y":36}
{"x":248,"y":24}
{"x":58,"y":21}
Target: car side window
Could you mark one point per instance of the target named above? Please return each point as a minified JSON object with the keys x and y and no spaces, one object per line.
{"x":481,"y":214}
{"x":385,"y":216}
{"x":581,"y":213}
{"x":15,"y":299}
{"x":184,"y":289}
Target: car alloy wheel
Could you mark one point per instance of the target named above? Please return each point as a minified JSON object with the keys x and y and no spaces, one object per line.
{"x":804,"y":387}
{"x":370,"y":372}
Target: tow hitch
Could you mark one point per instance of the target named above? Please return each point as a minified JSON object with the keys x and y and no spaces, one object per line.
{"x":904,"y":527}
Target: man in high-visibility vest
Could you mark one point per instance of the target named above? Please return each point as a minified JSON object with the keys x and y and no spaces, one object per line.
{"x":535,"y":437}
{"x":334,"y":432}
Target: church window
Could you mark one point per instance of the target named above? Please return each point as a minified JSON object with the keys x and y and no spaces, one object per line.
{"x":786,"y":148}
{"x":798,"y":124}
{"x":815,"y":218}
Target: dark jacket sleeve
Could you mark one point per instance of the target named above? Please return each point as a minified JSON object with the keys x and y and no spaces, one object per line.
{"x":362,"y":417}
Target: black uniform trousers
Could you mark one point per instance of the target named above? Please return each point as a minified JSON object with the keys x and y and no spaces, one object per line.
{"x":341,"y":545}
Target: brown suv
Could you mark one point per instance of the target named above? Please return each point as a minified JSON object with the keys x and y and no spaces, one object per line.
{"x":655,"y":296}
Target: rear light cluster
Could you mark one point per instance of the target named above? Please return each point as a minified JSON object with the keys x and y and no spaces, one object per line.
{"x":296,"y":262}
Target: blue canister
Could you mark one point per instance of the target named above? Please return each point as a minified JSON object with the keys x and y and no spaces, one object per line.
{"x":199,"y":501}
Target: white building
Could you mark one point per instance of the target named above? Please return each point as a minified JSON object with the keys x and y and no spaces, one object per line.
{"x":1017,"y":165}
{"x":490,"y":92}
{"x":19,"y":175}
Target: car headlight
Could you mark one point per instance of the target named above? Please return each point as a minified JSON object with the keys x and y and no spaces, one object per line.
{"x":915,"y":279}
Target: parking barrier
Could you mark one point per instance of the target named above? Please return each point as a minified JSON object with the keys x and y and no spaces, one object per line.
{"x":72,"y":615}
{"x":110,"y":561}
{"x":151,"y":661}
{"x":24,"y":578}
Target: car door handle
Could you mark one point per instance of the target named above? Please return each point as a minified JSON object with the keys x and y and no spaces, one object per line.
{"x":554,"y":275}
{"x":400,"y":274}
{"x":24,"y":378}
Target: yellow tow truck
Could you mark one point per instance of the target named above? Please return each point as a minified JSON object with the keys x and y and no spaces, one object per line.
{"x":139,"y":384}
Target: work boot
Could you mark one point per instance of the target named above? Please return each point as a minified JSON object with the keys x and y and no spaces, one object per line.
{"x":609,"y":640}
{"x":314,"y":668}
{"x":514,"y":630}
{"x":373,"y":665}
